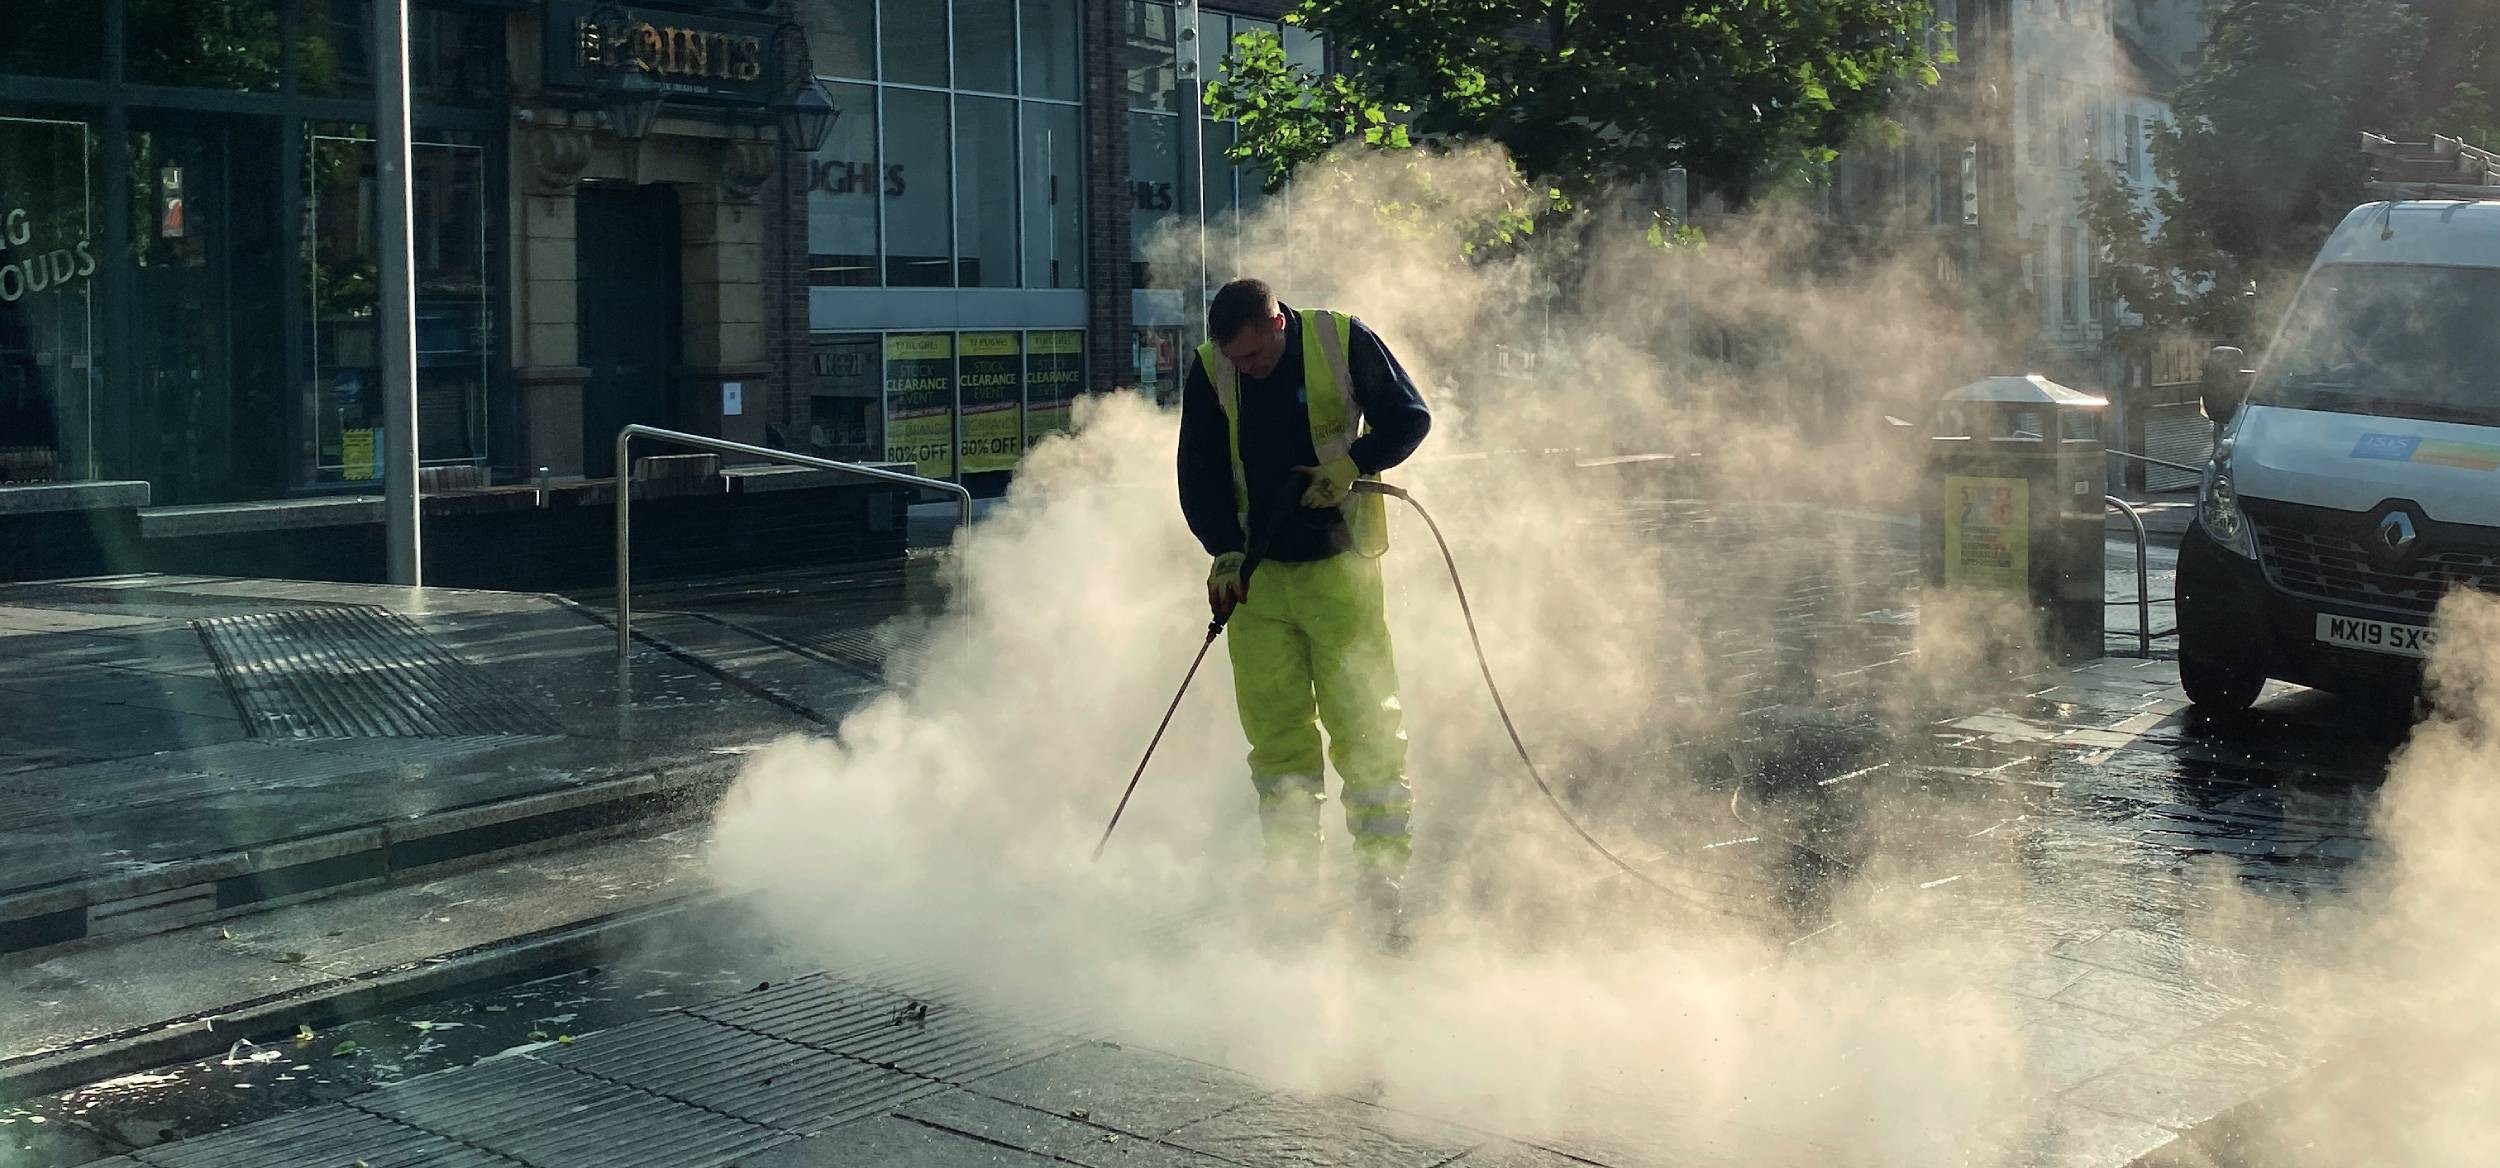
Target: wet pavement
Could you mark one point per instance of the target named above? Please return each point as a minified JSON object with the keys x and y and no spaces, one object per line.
{"x":177,"y":748}
{"x":2082,"y":819}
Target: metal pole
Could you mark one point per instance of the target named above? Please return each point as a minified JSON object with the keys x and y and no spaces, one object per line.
{"x":624,"y":553}
{"x":625,"y":496}
{"x":398,"y":320}
{"x":2143,"y":580}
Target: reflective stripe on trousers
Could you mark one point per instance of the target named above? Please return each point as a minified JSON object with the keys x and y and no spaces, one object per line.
{"x":1310,"y":648}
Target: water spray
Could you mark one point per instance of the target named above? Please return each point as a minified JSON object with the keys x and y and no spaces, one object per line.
{"x":1466,"y":611}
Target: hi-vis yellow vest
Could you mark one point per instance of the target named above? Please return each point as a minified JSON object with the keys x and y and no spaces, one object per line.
{"x":1328,"y":393}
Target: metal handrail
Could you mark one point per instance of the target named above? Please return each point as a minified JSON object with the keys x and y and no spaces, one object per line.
{"x":2194,"y":470}
{"x":625,"y":500}
{"x":2143,"y":574}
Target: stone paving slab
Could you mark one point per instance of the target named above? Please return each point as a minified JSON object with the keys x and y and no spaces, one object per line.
{"x":128,"y":769}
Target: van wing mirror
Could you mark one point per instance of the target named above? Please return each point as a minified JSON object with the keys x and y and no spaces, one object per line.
{"x":2226,"y":382}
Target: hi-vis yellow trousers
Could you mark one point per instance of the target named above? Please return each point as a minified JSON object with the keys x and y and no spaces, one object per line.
{"x":1310,"y":647}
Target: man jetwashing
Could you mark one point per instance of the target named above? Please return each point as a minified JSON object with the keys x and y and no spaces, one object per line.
{"x":1283,"y":411}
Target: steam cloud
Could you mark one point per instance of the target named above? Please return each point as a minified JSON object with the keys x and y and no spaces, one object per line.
{"x":951,"y":822}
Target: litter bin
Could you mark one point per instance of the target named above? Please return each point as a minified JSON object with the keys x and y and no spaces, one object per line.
{"x":2012,"y":504}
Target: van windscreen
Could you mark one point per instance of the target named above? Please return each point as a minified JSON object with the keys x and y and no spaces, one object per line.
{"x":2400,"y":340}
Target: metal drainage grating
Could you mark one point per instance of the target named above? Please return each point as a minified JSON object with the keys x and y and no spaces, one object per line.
{"x":356,"y":672}
{"x":872,"y":650}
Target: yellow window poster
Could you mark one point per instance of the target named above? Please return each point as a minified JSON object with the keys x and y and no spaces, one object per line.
{"x":356,"y":455}
{"x":1987,"y":533}
{"x":920,"y":402}
{"x":1054,"y":375}
{"x":992,"y":376}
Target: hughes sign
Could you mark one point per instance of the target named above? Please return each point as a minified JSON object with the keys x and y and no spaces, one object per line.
{"x":716,"y":56}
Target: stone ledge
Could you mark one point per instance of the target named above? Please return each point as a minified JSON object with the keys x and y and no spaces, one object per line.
{"x":756,"y":480}
{"x":102,"y":495}
{"x":263,"y":515}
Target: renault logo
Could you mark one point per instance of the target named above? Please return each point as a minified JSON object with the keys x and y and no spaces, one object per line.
{"x":2396,"y":534}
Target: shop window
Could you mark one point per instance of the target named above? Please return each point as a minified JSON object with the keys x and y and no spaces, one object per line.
{"x":990,"y":374}
{"x":845,"y":190}
{"x":206,"y":278}
{"x":844,"y":415}
{"x":1050,"y":65}
{"x":1158,"y":354}
{"x":913,"y":42}
{"x":454,"y":325}
{"x":920,"y":402}
{"x":1054,"y":184}
{"x":55,"y":38}
{"x":1054,"y":374}
{"x":1154,"y":163}
{"x":48,"y":255}
{"x":985,"y":203}
{"x":233,"y":44}
{"x":985,"y":45}
{"x":919,"y":245}
{"x":842,"y":37}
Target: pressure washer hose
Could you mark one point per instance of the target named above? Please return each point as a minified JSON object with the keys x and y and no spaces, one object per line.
{"x":1484,"y":665}
{"x":1257,"y":551}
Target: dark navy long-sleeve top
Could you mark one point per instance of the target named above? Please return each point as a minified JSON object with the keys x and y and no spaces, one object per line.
{"x":1276,"y":439}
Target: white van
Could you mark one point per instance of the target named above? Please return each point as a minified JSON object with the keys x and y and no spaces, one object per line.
{"x":2356,"y":478}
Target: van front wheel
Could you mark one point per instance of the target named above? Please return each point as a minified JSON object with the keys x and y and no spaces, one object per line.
{"x":2217,"y":688}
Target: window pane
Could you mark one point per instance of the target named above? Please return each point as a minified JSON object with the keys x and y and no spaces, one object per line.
{"x":232,"y":45}
{"x":843,"y":420}
{"x":1215,"y":38}
{"x":48,"y":414}
{"x":452,"y":55}
{"x":1146,"y":53}
{"x":991,"y":372}
{"x":919,"y":245}
{"x":985,"y":45}
{"x":1154,"y":171}
{"x":334,"y":46}
{"x":60,"y":38}
{"x":1054,"y":178}
{"x":1305,"y":48}
{"x":985,"y":196}
{"x":845,"y":188}
{"x":914,"y":42}
{"x":842,"y":36}
{"x":1054,"y":373}
{"x":1218,"y":172}
{"x":454,"y":330}
{"x":920,"y":402}
{"x":1050,"y":49}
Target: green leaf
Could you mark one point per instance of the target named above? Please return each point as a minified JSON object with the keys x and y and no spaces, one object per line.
{"x":345,"y":1049}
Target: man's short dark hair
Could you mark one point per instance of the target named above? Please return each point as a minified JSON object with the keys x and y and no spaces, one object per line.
{"x":1236,"y":305}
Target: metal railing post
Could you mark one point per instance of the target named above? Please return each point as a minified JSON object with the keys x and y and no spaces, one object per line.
{"x":625,"y":498}
{"x":2143,"y":574}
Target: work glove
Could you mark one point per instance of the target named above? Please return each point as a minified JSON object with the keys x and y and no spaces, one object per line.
{"x":1331,"y":482}
{"x":1225,"y":588}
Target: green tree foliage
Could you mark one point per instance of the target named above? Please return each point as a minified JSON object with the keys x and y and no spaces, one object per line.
{"x":2265,"y":152}
{"x":1585,"y":94}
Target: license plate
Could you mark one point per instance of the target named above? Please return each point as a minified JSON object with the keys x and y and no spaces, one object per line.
{"x":2375,"y":636}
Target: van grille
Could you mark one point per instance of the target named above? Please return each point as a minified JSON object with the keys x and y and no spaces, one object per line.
{"x":2328,"y":567}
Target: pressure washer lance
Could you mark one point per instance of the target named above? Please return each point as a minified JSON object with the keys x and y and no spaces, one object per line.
{"x":1216,"y":627}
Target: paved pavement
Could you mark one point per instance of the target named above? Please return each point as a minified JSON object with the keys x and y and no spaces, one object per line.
{"x":2070,"y":820}
{"x":174,"y":749}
